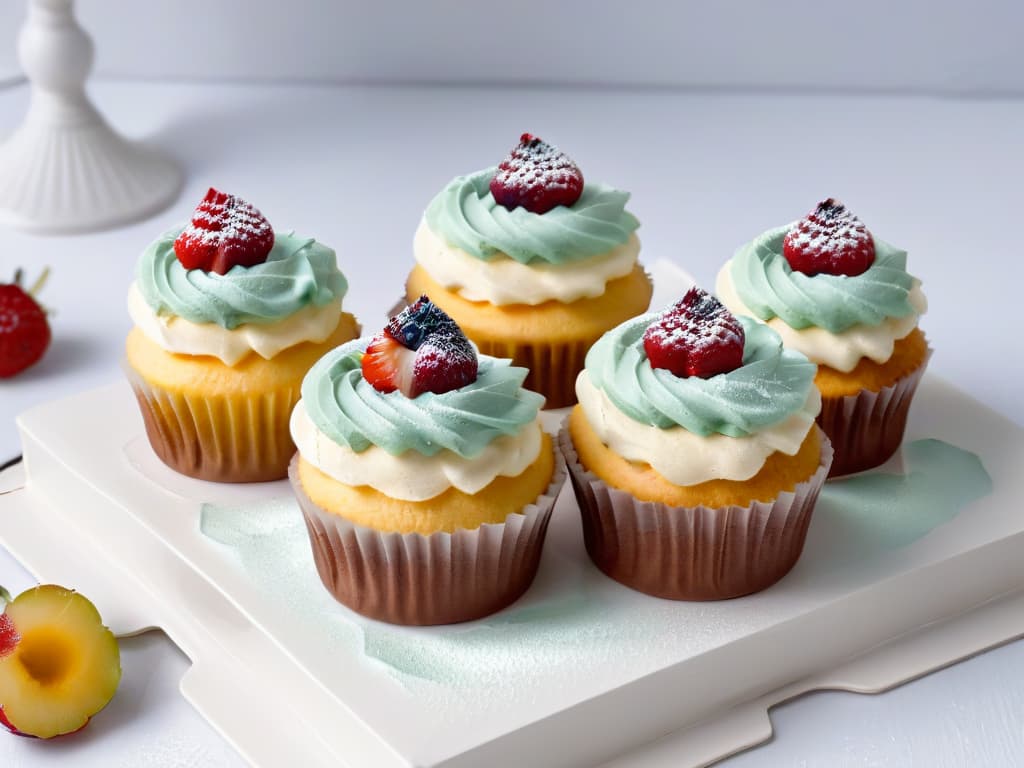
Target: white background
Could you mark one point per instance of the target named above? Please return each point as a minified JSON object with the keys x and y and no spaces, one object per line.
{"x":925,"y":45}
{"x":355,"y":165}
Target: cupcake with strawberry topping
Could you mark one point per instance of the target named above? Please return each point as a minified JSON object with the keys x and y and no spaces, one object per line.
{"x":694,"y":453}
{"x":229,"y":316}
{"x":532,"y":262}
{"x":423,"y":473}
{"x":844,"y":298}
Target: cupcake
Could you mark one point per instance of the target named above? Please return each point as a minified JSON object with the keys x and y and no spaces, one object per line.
{"x":694,"y":453}
{"x":423,"y":474}
{"x":845,"y":299}
{"x":533,"y":263}
{"x":229,"y":316}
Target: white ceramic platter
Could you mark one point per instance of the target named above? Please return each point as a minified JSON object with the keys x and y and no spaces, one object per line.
{"x":904,"y":571}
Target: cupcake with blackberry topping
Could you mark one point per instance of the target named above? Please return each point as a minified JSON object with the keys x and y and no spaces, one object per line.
{"x":229,"y":316}
{"x":532,"y":262}
{"x":844,"y":298}
{"x":694,"y":453}
{"x":423,"y":473}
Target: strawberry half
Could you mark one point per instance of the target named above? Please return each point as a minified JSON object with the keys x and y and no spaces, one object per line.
{"x":384,"y":366}
{"x":421,"y":350}
{"x":536,"y":176}
{"x":696,"y":336}
{"x":24,"y":330}
{"x":829,"y":240}
{"x":225,"y":232}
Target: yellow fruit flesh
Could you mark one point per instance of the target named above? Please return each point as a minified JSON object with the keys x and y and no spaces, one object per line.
{"x":47,"y":655}
{"x":65,"y":667}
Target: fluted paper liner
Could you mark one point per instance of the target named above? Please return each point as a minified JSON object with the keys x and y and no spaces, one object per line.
{"x":867,"y":428}
{"x":553,"y":366}
{"x":441,"y":578}
{"x":240,"y":438}
{"x":692,"y":553}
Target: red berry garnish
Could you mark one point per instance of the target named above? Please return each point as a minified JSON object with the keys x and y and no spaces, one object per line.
{"x":536,"y":176}
{"x":8,"y":635}
{"x":225,"y":231}
{"x":384,"y":363}
{"x":443,"y":363}
{"x":829,"y":240}
{"x":24,"y":330}
{"x":696,"y":336}
{"x":420,"y":350}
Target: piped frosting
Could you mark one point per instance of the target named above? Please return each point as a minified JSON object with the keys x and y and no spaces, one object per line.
{"x":348,"y":410}
{"x":771,"y":384}
{"x":298,"y":272}
{"x":466,"y":215}
{"x":769,"y":287}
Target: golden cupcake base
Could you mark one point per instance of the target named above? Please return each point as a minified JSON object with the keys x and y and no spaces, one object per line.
{"x":693,"y":552}
{"x":440,"y":578}
{"x":228,"y":424}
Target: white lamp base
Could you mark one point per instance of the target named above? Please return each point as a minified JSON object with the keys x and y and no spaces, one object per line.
{"x":62,"y":176}
{"x":65,"y":170}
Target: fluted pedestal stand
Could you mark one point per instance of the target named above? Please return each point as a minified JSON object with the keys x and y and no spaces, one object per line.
{"x":65,"y":170}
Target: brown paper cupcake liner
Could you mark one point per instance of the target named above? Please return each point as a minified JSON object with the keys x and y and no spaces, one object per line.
{"x":553,"y":366}
{"x":692,"y":553}
{"x":867,"y":428}
{"x":441,"y":578}
{"x":241,"y":438}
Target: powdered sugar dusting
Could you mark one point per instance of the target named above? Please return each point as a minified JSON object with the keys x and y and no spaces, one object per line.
{"x":225,"y":223}
{"x":444,"y":359}
{"x":537,"y":176}
{"x":443,"y":364}
{"x":829,"y":240}
{"x":697,"y":336}
{"x":225,"y":231}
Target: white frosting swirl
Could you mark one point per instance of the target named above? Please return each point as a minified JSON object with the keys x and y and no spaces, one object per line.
{"x":178,"y":335}
{"x":502,"y":280}
{"x":844,"y":350}
{"x":683,"y":457}
{"x":412,"y":476}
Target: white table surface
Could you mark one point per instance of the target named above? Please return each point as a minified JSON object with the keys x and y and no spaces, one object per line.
{"x":354,"y":167}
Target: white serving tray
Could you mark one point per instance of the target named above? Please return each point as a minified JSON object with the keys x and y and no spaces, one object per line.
{"x":579,"y":671}
{"x":576,"y":672}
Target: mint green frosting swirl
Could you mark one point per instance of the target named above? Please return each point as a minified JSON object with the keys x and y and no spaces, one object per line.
{"x":771,"y":288}
{"x":298,"y":272}
{"x":466,"y":215}
{"x":771,"y":385}
{"x":346,"y":408}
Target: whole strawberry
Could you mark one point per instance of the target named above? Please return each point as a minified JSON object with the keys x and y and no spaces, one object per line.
{"x":696,"y":336}
{"x":536,"y":176}
{"x":225,"y":231}
{"x":829,"y":241}
{"x":24,"y":330}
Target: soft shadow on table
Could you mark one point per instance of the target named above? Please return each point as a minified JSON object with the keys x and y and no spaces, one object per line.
{"x":137,"y":697}
{"x":67,"y":351}
{"x":207,"y":137}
